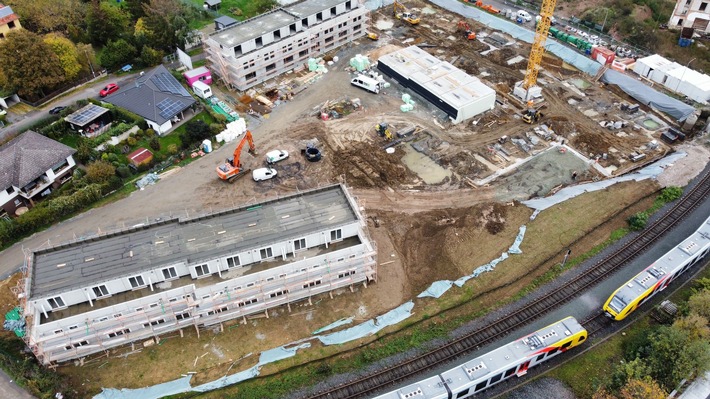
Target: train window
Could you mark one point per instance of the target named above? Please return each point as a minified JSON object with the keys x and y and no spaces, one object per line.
{"x":496,"y":378}
{"x":582,"y":338}
{"x":552,"y":352}
{"x":566,"y":344}
{"x":481,"y":385}
{"x":462,"y":393}
{"x":509,"y":372}
{"x":540,"y":357}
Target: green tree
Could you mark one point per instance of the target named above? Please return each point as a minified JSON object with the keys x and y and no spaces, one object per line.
{"x":117,"y":53}
{"x":638,"y":221}
{"x":100,"y":172}
{"x":150,"y":56}
{"x":45,"y":16}
{"x":699,"y":303}
{"x":135,"y":8}
{"x":674,"y":356}
{"x":67,"y":53}
{"x":106,"y":22}
{"x":29,"y":65}
{"x":195,"y":132}
{"x":166,"y":23}
{"x":636,"y":369}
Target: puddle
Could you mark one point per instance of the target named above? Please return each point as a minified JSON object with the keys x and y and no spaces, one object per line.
{"x":423,"y":166}
{"x":650,"y":124}
{"x":428,"y":10}
{"x":384,"y":24}
{"x":580,"y":83}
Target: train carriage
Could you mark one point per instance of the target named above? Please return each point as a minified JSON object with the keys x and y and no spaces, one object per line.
{"x":431,"y":388}
{"x":659,"y":275}
{"x":514,"y":358}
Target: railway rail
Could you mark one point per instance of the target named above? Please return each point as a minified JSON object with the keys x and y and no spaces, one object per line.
{"x":531,"y":310}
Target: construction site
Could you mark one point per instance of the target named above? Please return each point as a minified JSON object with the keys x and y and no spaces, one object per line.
{"x":427,"y":189}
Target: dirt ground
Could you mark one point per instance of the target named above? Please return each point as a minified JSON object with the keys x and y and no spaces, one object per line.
{"x":424,"y":231}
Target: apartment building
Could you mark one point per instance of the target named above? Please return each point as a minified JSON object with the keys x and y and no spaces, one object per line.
{"x":263,"y":47}
{"x":691,"y":14}
{"x":88,"y":296}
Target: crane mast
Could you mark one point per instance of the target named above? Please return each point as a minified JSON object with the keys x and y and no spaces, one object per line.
{"x":527,"y":89}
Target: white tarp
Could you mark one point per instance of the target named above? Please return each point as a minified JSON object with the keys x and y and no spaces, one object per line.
{"x":436,"y":289}
{"x":369,"y":327}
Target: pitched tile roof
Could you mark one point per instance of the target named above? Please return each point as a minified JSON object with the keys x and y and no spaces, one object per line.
{"x":157,"y":96}
{"x":6,"y":15}
{"x":28,"y":156}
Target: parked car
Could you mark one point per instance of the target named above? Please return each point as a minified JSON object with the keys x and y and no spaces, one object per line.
{"x":276,"y":156}
{"x":110,"y":88}
{"x":263,"y":174}
{"x":56,"y":110}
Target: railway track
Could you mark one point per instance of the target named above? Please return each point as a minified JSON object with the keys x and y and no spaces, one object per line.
{"x":534,"y":307}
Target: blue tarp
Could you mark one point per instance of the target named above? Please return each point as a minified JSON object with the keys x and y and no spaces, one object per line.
{"x":648,"y":172}
{"x":333,"y":325}
{"x":156,"y":391}
{"x":488,"y":267}
{"x":369,"y":327}
{"x":437,"y":289}
{"x":644,"y":94}
{"x":226,"y":380}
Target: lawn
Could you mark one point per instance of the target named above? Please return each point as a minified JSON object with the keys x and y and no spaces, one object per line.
{"x":249,"y":8}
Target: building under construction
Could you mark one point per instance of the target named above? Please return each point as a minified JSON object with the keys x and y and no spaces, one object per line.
{"x":88,"y":296}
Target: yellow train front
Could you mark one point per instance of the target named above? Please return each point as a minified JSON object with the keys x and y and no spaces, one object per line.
{"x":656,"y":277}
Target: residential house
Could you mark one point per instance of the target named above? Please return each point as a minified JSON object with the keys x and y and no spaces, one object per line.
{"x":263,"y":47}
{"x":85,"y":297}
{"x":31,"y":166}
{"x":691,"y":14}
{"x":156,"y":96}
{"x":90,"y":121}
{"x":9,"y":21}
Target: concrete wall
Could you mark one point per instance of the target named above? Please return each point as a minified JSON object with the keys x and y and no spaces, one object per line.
{"x":686,"y":12}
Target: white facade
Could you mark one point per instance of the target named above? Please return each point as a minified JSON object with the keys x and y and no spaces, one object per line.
{"x":14,"y":197}
{"x":268,"y":45}
{"x":674,"y":77}
{"x":160,"y":129}
{"x":200,"y":290}
{"x":691,"y":14}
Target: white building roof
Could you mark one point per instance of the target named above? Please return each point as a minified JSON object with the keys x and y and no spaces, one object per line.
{"x":692,"y":77}
{"x":659,"y":63}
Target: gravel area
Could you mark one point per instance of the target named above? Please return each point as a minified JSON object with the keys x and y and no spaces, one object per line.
{"x":543,"y":388}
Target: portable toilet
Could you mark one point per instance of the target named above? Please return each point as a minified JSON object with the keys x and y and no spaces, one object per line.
{"x":207,"y":146}
{"x":202,"y":90}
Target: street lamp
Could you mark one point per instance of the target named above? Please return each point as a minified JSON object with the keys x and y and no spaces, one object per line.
{"x":605,"y":15}
{"x":90,"y":66}
{"x":683,"y":74}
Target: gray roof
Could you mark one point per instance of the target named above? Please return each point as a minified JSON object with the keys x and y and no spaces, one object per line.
{"x":85,"y":115}
{"x":225,"y":20}
{"x":28,"y":156}
{"x":271,"y":21}
{"x":143,"y":248}
{"x":157,"y":96}
{"x":212,"y":3}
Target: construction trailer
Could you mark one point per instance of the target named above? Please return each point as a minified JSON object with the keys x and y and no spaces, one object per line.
{"x":460,"y":95}
{"x":88,"y":296}
{"x":263,"y":47}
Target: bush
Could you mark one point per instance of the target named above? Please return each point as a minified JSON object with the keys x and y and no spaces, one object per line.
{"x":216,"y":128}
{"x":123,"y":171}
{"x":85,"y":152}
{"x":131,"y":141}
{"x":100,"y":172}
{"x":638,"y":221}
{"x":172,"y":149}
{"x":195,"y":132}
{"x":670,"y":194}
{"x":55,"y":130}
{"x":150,"y":132}
{"x":154,"y":144}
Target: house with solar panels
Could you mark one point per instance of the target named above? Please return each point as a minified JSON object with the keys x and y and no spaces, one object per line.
{"x":90,"y":121}
{"x":86,"y":297}
{"x":31,"y":167}
{"x":261,"y":48}
{"x":156,"y":96}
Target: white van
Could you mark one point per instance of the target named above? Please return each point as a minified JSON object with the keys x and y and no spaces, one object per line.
{"x":366,"y":83}
{"x":524,"y":16}
{"x":201,"y":89}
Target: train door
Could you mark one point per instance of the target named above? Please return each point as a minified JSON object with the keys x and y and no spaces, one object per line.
{"x":523,"y":369}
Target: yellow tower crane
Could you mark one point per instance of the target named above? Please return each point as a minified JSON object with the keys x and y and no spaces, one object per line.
{"x":526,"y":90}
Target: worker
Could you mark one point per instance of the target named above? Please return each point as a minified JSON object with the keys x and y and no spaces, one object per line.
{"x":574,"y":175}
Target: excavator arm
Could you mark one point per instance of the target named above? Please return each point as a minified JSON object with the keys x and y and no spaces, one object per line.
{"x":232,"y":169}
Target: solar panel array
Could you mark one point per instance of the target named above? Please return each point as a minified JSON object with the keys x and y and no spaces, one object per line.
{"x":167,"y":83}
{"x":86,"y":115}
{"x":169,"y":107}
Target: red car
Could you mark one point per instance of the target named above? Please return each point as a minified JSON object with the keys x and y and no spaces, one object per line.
{"x":110,"y":88}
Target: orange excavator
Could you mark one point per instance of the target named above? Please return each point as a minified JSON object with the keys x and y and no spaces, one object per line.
{"x":464,"y":27}
{"x":232,"y":168}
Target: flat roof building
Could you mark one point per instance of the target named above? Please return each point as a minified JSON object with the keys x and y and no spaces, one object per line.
{"x":455,"y":92}
{"x":87,"y":296}
{"x":258,"y":49}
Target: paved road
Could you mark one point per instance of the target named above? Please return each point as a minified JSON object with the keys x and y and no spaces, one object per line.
{"x":10,"y":390}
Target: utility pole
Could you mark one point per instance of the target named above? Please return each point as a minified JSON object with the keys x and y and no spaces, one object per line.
{"x":90,"y":66}
{"x":567,"y":254}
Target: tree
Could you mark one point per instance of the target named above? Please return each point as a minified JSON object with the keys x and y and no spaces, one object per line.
{"x":29,"y":65}
{"x":699,"y":303}
{"x":151,"y":57}
{"x":674,"y":356}
{"x":45,"y":16}
{"x":100,"y":172}
{"x":135,"y":8}
{"x":87,"y":57}
{"x":695,"y":324}
{"x":67,"y":53}
{"x":106,"y":22}
{"x":642,"y":389}
{"x":636,"y":369}
{"x":195,"y":132}
{"x":117,"y":53}
{"x":638,"y":221}
{"x":166,"y":22}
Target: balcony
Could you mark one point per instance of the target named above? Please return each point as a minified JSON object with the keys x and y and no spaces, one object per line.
{"x":35,"y":187}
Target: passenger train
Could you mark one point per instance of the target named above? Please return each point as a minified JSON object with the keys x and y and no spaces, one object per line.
{"x":500,"y":364}
{"x":662,"y":272}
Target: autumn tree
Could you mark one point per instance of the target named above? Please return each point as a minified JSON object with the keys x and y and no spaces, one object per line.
{"x":87,"y":57}
{"x":166,"y":22}
{"x":135,"y":8}
{"x":100,"y":172}
{"x":117,"y":53}
{"x":67,"y":53}
{"x":645,"y":388}
{"x":150,"y":56}
{"x":46,"y":16}
{"x":695,"y":325}
{"x":635,"y":369}
{"x":106,"y":22}
{"x":29,"y":65}
{"x":674,"y":356}
{"x":699,"y":303}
